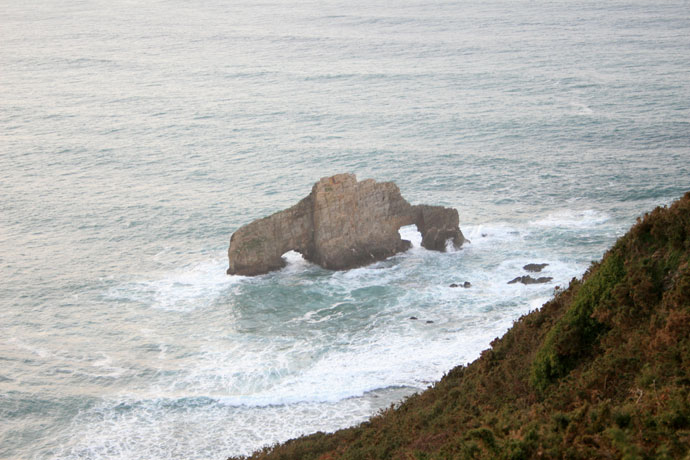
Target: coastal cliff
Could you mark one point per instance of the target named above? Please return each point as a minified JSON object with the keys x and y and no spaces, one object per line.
{"x":341,"y":224}
{"x":600,"y":371}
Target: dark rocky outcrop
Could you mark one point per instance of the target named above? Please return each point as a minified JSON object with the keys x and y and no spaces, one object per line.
{"x":465,"y":285}
{"x":529,"y":280}
{"x":534,"y":268}
{"x":341,"y":224}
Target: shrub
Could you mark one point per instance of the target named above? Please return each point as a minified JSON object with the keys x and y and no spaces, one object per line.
{"x":573,"y":336}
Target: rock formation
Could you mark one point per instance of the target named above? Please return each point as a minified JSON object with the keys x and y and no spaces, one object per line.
{"x":534,"y":268}
{"x":529,"y":280}
{"x":465,"y":285}
{"x":341,"y":224}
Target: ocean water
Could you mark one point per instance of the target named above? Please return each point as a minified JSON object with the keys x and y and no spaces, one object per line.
{"x":135,"y":137}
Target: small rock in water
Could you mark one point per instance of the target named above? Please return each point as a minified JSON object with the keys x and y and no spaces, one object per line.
{"x":529,"y":280}
{"x":466,"y":284}
{"x":429,"y":322}
{"x":343,"y":223}
{"x":534,"y":268}
{"x":413,"y":317}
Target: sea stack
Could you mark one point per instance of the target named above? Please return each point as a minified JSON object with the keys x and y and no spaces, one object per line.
{"x":341,"y":224}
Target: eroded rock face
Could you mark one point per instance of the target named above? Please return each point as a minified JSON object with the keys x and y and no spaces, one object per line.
{"x":341,"y":224}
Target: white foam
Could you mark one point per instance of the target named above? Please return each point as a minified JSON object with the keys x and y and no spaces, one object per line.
{"x":298,"y":368}
{"x":588,"y":218}
{"x":391,"y":351}
{"x":489,"y":234}
{"x":537,"y":302}
{"x":322,"y":314}
{"x":21,"y":344}
{"x":295,"y":263}
{"x":410,"y":233}
{"x":195,"y":429}
{"x":581,"y":108}
{"x":283,"y":372}
{"x":184,"y":289}
{"x":105,"y":363}
{"x":82,"y":363}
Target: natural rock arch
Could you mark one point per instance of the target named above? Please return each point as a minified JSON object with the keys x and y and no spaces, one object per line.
{"x":341,"y":224}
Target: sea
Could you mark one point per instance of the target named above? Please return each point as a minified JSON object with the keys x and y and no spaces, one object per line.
{"x":137,"y":136}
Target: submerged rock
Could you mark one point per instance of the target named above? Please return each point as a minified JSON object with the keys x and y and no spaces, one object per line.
{"x":529,"y":280}
{"x":534,"y":268}
{"x":341,"y":224}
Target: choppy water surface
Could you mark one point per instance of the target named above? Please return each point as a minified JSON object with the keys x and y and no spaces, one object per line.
{"x":136,"y":136}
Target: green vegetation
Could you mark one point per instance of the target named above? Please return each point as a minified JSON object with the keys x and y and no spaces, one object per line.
{"x":573,"y":335}
{"x":600,"y":371}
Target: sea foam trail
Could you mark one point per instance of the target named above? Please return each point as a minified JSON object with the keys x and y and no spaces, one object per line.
{"x":189,"y":287}
{"x":302,"y":349}
{"x":567,"y":218}
{"x":195,"y":428}
{"x":354,"y":334}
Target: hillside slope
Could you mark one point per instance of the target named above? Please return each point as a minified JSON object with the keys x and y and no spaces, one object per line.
{"x":600,"y":371}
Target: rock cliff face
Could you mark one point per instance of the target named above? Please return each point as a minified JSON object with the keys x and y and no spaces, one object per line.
{"x":341,"y":224}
